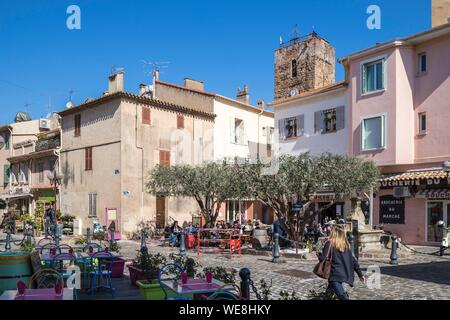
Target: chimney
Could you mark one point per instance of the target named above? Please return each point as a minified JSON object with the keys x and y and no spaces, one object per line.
{"x":156,"y":75}
{"x":440,"y":12}
{"x":116,"y":82}
{"x":142,"y":89}
{"x":194,"y":84}
{"x":243,"y":96}
{"x":261,"y":104}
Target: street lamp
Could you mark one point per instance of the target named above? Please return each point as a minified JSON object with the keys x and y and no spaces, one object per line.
{"x":55,"y":181}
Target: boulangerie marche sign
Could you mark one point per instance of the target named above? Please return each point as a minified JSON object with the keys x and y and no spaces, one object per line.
{"x":392,"y":210}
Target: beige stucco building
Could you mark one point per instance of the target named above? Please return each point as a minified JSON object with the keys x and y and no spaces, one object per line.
{"x":110,"y":144}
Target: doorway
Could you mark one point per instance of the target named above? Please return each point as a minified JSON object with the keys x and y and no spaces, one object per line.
{"x":160,"y":212}
{"x":436,"y":211}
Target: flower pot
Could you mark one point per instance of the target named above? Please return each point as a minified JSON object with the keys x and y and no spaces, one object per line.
{"x":137,"y":274}
{"x":118,"y":267}
{"x":151,"y":290}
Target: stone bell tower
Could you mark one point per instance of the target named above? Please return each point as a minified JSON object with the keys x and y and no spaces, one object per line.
{"x":302,"y":65}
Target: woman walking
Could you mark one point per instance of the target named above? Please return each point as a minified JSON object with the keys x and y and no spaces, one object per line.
{"x":343,"y":263}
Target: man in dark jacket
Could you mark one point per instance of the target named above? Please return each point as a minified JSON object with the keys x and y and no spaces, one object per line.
{"x":343,"y":266}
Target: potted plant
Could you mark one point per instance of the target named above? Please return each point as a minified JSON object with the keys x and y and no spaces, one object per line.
{"x":118,"y":264}
{"x":145,"y":266}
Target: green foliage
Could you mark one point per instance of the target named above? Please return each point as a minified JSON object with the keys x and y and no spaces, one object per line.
{"x":81,"y":240}
{"x":114,"y":246}
{"x":284,"y":295}
{"x":209,"y":184}
{"x":27,"y":247}
{"x":99,"y":235}
{"x":150,"y":264}
{"x":300,"y":177}
{"x":190,"y":265}
{"x":220,"y":273}
{"x":322,"y":294}
{"x":265,"y":289}
{"x":3,"y":204}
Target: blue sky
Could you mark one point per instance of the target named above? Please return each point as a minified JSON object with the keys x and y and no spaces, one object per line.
{"x":223,"y":43}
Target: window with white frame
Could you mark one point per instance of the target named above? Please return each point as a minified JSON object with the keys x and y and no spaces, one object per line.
{"x":40,"y":170}
{"x":373,"y":133}
{"x":329,"y":120}
{"x":422,"y":123}
{"x":373,"y":76}
{"x":92,"y":205}
{"x":268,"y":134}
{"x":238,"y":131}
{"x":422,"y":63}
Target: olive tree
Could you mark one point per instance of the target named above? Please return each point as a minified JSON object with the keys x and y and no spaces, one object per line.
{"x":297,"y":180}
{"x":209,"y":184}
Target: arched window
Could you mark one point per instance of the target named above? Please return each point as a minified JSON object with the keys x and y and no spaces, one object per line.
{"x":294,"y":68}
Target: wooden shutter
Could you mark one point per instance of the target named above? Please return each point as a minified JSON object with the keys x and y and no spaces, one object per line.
{"x":88,"y":158}
{"x":164,"y":158}
{"x":318,"y":121}
{"x":77,"y":125}
{"x":232,"y":130}
{"x":160,"y":212}
{"x":146,"y":115}
{"x":300,"y":125}
{"x":6,"y":169}
{"x":340,"y":118}
{"x":281,"y":129}
{"x":180,"y":121}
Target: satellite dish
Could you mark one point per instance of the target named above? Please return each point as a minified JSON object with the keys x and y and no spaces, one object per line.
{"x":69,"y":105}
{"x":2,"y":142}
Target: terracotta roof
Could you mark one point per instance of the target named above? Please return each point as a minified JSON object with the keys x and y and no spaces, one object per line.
{"x":184,"y":88}
{"x":417,"y":175}
{"x":311,"y":93}
{"x":140,"y":99}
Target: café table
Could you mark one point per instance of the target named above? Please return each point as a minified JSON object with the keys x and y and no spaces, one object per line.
{"x":38,"y":294}
{"x":194,"y":287}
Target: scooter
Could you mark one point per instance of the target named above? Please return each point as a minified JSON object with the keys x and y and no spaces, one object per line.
{"x":445,"y":231}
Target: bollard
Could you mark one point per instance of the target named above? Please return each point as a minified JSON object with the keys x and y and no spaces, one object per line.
{"x":245,"y":283}
{"x":276,"y":248}
{"x":394,"y":257}
{"x":88,"y":235}
{"x":351,"y":240}
{"x":8,"y":241}
{"x":143,"y":244}
{"x":182,"y":244}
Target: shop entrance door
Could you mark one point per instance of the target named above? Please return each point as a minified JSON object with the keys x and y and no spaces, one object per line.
{"x":160,"y":212}
{"x":437,"y":211}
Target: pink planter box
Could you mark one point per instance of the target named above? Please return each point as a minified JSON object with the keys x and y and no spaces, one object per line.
{"x":118,"y":267}
{"x":137,"y":274}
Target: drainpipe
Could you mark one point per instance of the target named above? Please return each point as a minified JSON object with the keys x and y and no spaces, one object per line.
{"x":257,"y":148}
{"x":142,"y":160}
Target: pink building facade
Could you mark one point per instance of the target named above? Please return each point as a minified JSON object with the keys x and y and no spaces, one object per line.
{"x":400,"y":115}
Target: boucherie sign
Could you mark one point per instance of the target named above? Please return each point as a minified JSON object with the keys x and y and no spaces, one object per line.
{"x":392,"y":210}
{"x":414,"y":182}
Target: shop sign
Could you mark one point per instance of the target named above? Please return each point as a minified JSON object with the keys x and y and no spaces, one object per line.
{"x":392,"y":210}
{"x":414,"y":182}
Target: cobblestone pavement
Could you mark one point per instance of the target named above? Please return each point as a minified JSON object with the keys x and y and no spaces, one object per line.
{"x":418,"y":277}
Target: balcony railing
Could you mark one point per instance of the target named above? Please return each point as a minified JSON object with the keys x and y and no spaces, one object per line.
{"x":47,"y":144}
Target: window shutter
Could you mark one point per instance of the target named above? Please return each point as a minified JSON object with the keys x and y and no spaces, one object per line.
{"x":281,"y":128}
{"x":180,"y":121}
{"x":340,"y":118}
{"x":77,"y":125}
{"x":318,"y":121}
{"x":300,"y":125}
{"x":232,"y":130}
{"x":146,"y":115}
{"x":6,"y":174}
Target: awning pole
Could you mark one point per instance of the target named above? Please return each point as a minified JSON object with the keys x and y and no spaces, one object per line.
{"x":371,"y":208}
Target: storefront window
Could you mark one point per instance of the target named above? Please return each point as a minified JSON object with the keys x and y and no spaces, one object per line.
{"x":435,"y":213}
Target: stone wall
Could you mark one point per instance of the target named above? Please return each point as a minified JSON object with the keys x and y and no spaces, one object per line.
{"x":315,"y":66}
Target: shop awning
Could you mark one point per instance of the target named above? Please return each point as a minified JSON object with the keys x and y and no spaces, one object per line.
{"x":415,"y":175}
{"x":16,"y":196}
{"x":434,"y":194}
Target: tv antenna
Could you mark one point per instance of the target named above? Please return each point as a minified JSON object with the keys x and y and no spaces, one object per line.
{"x":295,"y":33}
{"x":116,"y":69}
{"x":154,"y":66}
{"x":26,"y":105}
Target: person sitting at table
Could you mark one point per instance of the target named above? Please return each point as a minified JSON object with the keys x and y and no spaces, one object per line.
{"x":175,"y":234}
{"x":248,"y":227}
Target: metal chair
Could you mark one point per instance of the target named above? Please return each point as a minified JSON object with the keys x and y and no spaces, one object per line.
{"x":171,"y":272}
{"x":65,"y":248}
{"x":95,"y":247}
{"x":62,"y":263}
{"x":101,"y":269}
{"x":45,"y":278}
{"x":227,"y":292}
{"x":44,"y":241}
